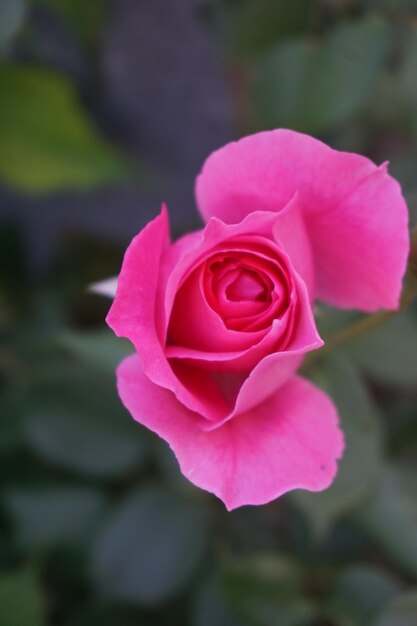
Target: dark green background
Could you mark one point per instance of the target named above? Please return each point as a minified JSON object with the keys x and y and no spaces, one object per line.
{"x":106,"y":109}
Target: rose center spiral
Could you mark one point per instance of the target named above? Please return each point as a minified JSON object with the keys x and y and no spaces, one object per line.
{"x":247,"y":286}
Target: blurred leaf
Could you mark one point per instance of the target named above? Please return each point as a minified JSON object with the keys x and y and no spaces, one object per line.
{"x":73,"y":385}
{"x":408,"y":69}
{"x":20,"y":601}
{"x":406,"y":78}
{"x":82,"y":442}
{"x":86,"y":18}
{"x":12,"y":257}
{"x":331,"y":321}
{"x":394,"y":5}
{"x":12,"y":15}
{"x":168,"y":467}
{"x":314,"y":86}
{"x":389,"y":352}
{"x":402,"y":165}
{"x":257,"y":24}
{"x":390,"y":518}
{"x":360,"y":465}
{"x":210,"y":607}
{"x":359,"y":595}
{"x":11,"y":431}
{"x":108,"y":615}
{"x":100,"y":349}
{"x":401,"y":612}
{"x":66,"y":561}
{"x":267,"y":591}
{"x":75,"y":419}
{"x":151,"y":547}
{"x":46,"y":140}
{"x":412,"y":207}
{"x":49,"y":516}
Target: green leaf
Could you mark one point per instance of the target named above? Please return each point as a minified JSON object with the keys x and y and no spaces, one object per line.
{"x":20,"y":600}
{"x":315,"y":86}
{"x":99,"y":349}
{"x":360,"y":594}
{"x":402,"y":167}
{"x":108,"y":615}
{"x":12,"y":260}
{"x":76,"y":421}
{"x":210,"y":607}
{"x":361,"y":462}
{"x":402,"y":92}
{"x":85,"y":18}
{"x":407,"y":70}
{"x":390,"y":518}
{"x":82,"y":442}
{"x":401,"y":612}
{"x":151,"y":548}
{"x":12,"y":16}
{"x":389,"y":352}
{"x":331,"y":321}
{"x":267,"y":591}
{"x":11,"y":431}
{"x":46,"y":140}
{"x":50,"y":516}
{"x":394,"y":5}
{"x":257,"y":24}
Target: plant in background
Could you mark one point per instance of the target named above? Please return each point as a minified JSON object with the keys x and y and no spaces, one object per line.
{"x":222,"y":318}
{"x":104,"y":112}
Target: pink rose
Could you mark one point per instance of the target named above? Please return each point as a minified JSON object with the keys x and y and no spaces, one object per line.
{"x":222,"y":318}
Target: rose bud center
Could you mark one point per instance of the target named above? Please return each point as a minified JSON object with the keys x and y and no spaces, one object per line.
{"x":246,"y":286}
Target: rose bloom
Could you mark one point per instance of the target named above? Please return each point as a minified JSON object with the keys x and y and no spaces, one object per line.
{"x":222,"y":318}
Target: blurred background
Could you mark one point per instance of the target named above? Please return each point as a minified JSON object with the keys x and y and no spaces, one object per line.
{"x":108,"y":108}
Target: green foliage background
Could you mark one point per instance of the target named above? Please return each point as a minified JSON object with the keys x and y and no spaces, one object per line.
{"x":97,"y":526}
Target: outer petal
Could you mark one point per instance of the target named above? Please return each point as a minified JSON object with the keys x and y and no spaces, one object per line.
{"x":355,"y":214}
{"x":290,"y":442}
{"x":291,"y":234}
{"x":134,"y":315}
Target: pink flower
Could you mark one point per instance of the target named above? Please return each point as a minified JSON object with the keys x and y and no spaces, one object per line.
{"x":222,"y":318}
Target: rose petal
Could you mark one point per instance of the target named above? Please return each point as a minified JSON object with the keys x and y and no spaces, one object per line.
{"x":290,"y":442}
{"x":243,"y":360}
{"x":133,"y":315}
{"x":195,"y":324}
{"x":192,"y":303}
{"x":361,"y":253}
{"x":356,"y":217}
{"x":291,"y":234}
{"x":275,"y":369}
{"x":274,"y":363}
{"x":216,"y":232}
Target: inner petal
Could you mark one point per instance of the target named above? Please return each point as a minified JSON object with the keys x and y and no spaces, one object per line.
{"x":247,"y":286}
